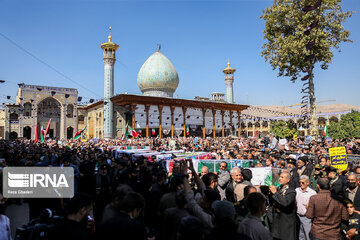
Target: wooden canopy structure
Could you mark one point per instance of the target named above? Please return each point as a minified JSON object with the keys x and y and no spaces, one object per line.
{"x":129,"y":101}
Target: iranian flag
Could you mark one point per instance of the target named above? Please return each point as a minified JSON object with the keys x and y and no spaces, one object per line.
{"x":187,"y":130}
{"x":42,"y":134}
{"x":129,"y":131}
{"x":325,"y":133}
{"x":132,"y":132}
{"x":78,"y":134}
{"x":153,"y":131}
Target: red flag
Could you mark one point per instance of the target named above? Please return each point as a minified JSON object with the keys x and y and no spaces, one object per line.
{"x":36,"y":135}
{"x":134,"y":133}
{"x":47,"y":128}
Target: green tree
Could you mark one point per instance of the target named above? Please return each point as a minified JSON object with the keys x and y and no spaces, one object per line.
{"x":347,"y":127}
{"x":285,"y":49}
{"x":283,"y":129}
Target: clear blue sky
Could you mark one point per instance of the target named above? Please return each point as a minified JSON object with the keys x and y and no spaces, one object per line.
{"x":197,"y":36}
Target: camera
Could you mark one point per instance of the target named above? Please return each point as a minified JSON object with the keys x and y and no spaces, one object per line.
{"x":38,"y":228}
{"x":266,"y":141}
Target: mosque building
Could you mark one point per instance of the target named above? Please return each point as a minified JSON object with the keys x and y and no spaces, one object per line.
{"x":154,"y":113}
{"x":165,"y":115}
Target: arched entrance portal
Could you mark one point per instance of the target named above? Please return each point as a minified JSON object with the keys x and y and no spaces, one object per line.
{"x":27,"y":132}
{"x":46,"y":109}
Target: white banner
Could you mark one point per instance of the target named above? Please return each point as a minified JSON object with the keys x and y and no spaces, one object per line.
{"x":259,"y":174}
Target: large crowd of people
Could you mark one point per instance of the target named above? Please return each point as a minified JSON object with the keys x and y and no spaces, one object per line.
{"x":118,"y":198}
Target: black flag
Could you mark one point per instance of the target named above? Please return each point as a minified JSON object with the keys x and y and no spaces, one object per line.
{"x":305,"y":77}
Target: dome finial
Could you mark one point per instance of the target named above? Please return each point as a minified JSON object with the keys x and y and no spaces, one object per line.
{"x":110,"y":37}
{"x":158,"y":47}
{"x":228,"y":69}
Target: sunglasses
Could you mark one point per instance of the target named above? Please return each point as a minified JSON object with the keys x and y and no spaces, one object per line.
{"x":302,"y":182}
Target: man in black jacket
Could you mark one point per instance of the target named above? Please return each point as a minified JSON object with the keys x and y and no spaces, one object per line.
{"x":294,"y":176}
{"x":336,"y":184}
{"x":283,"y":204}
{"x":74,"y":226}
{"x":124,"y":225}
{"x":304,"y":166}
{"x":236,"y":179}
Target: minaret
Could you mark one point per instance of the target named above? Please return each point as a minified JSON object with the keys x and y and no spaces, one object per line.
{"x":229,"y":80}
{"x":109,"y":49}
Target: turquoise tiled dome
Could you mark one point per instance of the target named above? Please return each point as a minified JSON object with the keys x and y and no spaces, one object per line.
{"x":158,"y":76}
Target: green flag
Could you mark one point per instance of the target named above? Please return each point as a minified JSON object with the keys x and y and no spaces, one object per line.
{"x":325,"y":133}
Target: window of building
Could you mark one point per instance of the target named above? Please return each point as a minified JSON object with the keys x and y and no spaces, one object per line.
{"x":70,"y":111}
{"x":27,"y":109}
{"x":14,"y":116}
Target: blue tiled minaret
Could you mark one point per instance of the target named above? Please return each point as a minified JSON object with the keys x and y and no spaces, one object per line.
{"x":229,"y":80}
{"x":109,"y":50}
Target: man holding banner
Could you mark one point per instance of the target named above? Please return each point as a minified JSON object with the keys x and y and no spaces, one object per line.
{"x":283,"y":211}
